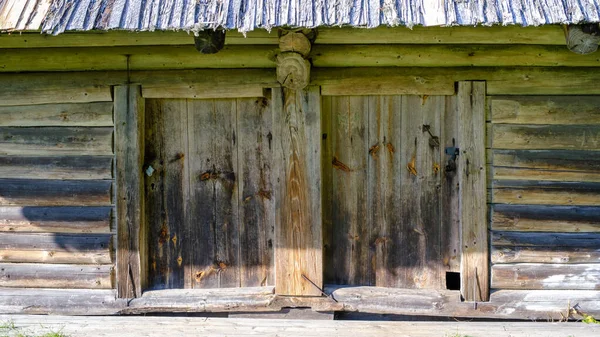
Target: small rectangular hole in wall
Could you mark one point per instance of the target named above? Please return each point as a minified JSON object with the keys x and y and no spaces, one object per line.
{"x":452,"y":280}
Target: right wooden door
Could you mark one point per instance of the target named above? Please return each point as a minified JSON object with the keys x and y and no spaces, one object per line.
{"x":389,"y":190}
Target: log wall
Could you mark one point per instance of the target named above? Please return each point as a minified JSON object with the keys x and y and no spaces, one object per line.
{"x":56,"y":186}
{"x":544,"y":191}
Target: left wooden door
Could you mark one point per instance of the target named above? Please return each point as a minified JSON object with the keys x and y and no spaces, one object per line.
{"x":208,"y":194}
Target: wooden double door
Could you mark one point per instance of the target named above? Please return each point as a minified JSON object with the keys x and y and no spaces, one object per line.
{"x":355,"y":190}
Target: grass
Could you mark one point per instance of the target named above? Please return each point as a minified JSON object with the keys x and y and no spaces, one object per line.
{"x":9,"y":329}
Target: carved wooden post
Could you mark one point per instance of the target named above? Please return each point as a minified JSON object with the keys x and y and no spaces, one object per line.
{"x":296,"y":120}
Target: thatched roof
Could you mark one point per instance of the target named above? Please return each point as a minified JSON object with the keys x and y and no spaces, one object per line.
{"x":56,"y":16}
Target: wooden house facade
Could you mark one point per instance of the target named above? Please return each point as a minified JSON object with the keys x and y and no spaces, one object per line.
{"x":436,"y":171}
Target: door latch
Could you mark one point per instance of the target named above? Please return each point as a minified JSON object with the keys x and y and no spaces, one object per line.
{"x":453,"y":152}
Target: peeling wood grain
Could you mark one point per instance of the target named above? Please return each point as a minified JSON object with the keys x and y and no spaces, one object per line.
{"x":526,"y":239}
{"x":570,"y":255}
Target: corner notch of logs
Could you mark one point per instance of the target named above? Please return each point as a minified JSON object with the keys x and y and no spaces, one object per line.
{"x":293,"y":68}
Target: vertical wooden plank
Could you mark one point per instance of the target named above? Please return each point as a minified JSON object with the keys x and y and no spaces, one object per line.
{"x":131,"y":236}
{"x":256,"y":201}
{"x":472,"y":191}
{"x":384,"y":188}
{"x":349,"y":184}
{"x":298,"y":244}
{"x":450,"y":218}
{"x":213,"y":200}
{"x":166,"y":149}
{"x":327,"y":137}
{"x":430,"y":241}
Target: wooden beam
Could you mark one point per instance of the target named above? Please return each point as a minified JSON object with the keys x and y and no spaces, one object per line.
{"x":448,"y":56}
{"x":129,"y":145}
{"x":56,"y":140}
{"x":297,"y":173}
{"x":34,"y":275}
{"x":472,"y":188}
{"x":545,"y":109}
{"x":87,"y":114}
{"x":543,"y":35}
{"x":31,"y":192}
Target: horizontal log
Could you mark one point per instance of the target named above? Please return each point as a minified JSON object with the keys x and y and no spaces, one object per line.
{"x":22,"y":192}
{"x":424,"y":55}
{"x":125,"y":38}
{"x":261,"y":56}
{"x":78,"y":114}
{"x":134,"y":58}
{"x":31,"y":275}
{"x":531,"y":218}
{"x":51,"y":241}
{"x":499,"y":81}
{"x":546,"y":137}
{"x":556,"y":160}
{"x":62,"y":167}
{"x":56,"y":140}
{"x":545,"y":110}
{"x":510,"y":173}
{"x":515,"y":304}
{"x":528,"y":239}
{"x":546,"y":276}
{"x":204,"y":91}
{"x":544,"y":255}
{"x":537,"y":196}
{"x":544,"y":35}
{"x":53,"y":248}
{"x":56,"y":219}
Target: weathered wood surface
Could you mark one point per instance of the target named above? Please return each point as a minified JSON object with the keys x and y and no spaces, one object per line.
{"x":509,"y":173}
{"x":542,"y":35}
{"x":530,"y":218}
{"x":546,"y":137}
{"x":555,"y":160}
{"x":26,"y":192}
{"x":29,"y":275}
{"x":55,"y":248}
{"x":213,"y":200}
{"x":166,"y":150}
{"x":256,"y":203}
{"x":546,"y":276}
{"x":422,"y":55}
{"x":70,"y":219}
{"x":440,"y":81}
{"x":56,"y":167}
{"x":537,"y":193}
{"x":298,"y":222}
{"x":205,"y":83}
{"x":517,"y":254}
{"x":86,"y":114}
{"x":516,"y":304}
{"x":535,"y":239}
{"x":260,"y":56}
{"x":134,"y":58}
{"x":560,"y":110}
{"x":129,"y":139}
{"x":472,"y":180}
{"x":349,"y":259}
{"x":56,"y":140}
{"x":450,"y":213}
{"x":210,"y":327}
